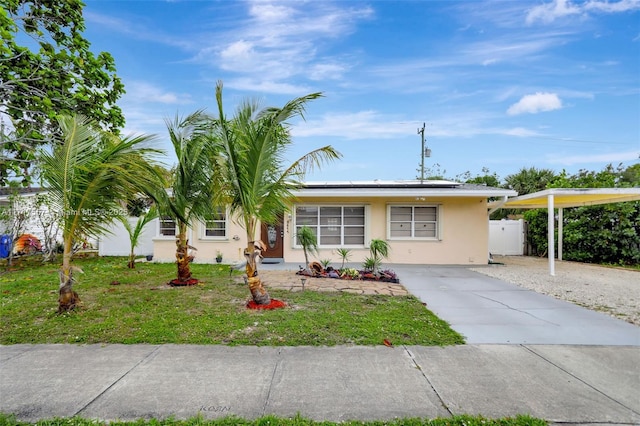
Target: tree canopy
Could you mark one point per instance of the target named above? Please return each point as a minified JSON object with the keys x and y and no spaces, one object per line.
{"x":48,"y":69}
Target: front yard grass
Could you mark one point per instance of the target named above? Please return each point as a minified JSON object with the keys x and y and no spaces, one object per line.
{"x":120,"y":305}
{"x":463,"y":420}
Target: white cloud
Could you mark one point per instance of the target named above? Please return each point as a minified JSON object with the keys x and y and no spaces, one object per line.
{"x":142,"y":92}
{"x":374,"y":125}
{"x":266,"y":86}
{"x":357,"y":125}
{"x":533,"y":104}
{"x":609,"y":157}
{"x":612,"y":7}
{"x":549,"y":12}
{"x":326,"y":71}
{"x":279,"y":41}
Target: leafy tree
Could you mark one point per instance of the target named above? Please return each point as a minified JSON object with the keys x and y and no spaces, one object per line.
{"x":89,"y":175}
{"x":191,"y":186}
{"x":486,"y":178}
{"x":251,"y":173}
{"x":47,"y":68}
{"x":631,"y":176}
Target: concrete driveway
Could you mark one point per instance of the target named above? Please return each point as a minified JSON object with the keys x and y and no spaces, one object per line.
{"x":488,"y":310}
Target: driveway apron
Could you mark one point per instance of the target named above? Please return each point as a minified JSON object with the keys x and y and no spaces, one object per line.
{"x":488,"y":310}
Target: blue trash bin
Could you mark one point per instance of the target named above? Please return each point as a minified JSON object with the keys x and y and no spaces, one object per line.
{"x":5,"y":246}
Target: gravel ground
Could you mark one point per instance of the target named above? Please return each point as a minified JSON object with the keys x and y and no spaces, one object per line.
{"x":614,"y":291}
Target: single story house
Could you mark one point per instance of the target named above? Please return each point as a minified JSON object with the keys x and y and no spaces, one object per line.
{"x":425,"y":222}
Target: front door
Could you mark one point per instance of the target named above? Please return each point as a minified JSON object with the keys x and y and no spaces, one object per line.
{"x":273,"y":236}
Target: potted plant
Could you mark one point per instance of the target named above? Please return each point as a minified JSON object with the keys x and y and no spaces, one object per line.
{"x":218,"y":256}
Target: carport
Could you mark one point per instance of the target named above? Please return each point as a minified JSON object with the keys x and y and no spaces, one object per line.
{"x":562,"y":198}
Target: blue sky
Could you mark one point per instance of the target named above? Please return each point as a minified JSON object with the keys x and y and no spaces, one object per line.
{"x":500,"y":84}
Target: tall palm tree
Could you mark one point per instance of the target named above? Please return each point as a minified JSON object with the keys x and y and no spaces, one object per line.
{"x":251,"y":173}
{"x":191,"y":186}
{"x":89,"y":176}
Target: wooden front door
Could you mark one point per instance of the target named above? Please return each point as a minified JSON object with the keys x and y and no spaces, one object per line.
{"x":273,"y":236}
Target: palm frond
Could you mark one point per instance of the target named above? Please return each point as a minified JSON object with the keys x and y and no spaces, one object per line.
{"x":251,"y":160}
{"x":91,"y":174}
{"x":191,"y":185}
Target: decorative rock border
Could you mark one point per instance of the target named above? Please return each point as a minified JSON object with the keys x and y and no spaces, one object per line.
{"x":289,"y":280}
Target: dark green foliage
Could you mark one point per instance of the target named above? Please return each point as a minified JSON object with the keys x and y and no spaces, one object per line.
{"x":47,"y":69}
{"x":537,"y":231}
{"x":603,"y":234}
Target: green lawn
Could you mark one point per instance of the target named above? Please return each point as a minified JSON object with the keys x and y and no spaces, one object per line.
{"x":296,"y":421}
{"x":141,"y":308}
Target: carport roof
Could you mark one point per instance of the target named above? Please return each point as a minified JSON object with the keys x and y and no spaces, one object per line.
{"x":561,"y":198}
{"x":570,"y":197}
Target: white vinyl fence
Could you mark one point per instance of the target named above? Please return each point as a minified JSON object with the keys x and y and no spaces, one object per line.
{"x":507,"y":237}
{"x":117,"y":243}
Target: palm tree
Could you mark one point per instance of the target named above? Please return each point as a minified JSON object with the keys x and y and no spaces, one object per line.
{"x":309,"y":242}
{"x":250,"y":170}
{"x":379,"y":250}
{"x":89,"y":176}
{"x":191,"y":186}
{"x":136,"y":230}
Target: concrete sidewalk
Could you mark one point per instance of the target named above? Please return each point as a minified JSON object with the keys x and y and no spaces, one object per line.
{"x":572,"y":384}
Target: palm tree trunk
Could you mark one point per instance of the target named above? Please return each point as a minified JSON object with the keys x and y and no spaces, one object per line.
{"x":132,"y":258}
{"x":258,"y":292}
{"x":183,"y":259}
{"x":67,"y":298}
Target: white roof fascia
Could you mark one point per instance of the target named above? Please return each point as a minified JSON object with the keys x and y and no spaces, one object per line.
{"x":401,"y":192}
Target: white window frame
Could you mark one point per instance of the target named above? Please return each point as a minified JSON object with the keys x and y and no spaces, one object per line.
{"x":159,"y":233}
{"x":203,"y":227}
{"x":412,"y":237}
{"x":365,"y":226}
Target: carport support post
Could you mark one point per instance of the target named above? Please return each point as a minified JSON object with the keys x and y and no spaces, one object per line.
{"x":560,"y":233}
{"x":551,"y":240}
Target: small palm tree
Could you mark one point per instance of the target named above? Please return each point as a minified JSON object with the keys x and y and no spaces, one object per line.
{"x":309,"y":242}
{"x":379,"y":250}
{"x":251,"y":174}
{"x":344,"y":254}
{"x":89,"y":175}
{"x":135,"y":232}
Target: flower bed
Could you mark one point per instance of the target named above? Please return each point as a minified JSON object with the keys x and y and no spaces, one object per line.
{"x":314,"y":271}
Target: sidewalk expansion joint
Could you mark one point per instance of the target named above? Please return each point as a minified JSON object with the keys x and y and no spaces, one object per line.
{"x":417,"y":366}
{"x":149,"y":355}
{"x":581,"y":381}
